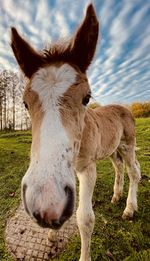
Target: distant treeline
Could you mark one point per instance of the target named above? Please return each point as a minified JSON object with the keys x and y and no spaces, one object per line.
{"x":138,"y":109}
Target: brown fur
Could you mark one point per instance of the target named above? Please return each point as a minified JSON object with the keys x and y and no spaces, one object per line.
{"x":34,"y":105}
{"x":111,"y":131}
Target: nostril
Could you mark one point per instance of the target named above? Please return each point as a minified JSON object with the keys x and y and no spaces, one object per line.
{"x":68,"y":191}
{"x":37,"y":216}
{"x":24,"y":188}
{"x":56,"y":223}
{"x":68,"y":210}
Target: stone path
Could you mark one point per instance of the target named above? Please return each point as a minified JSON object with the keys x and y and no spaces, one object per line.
{"x":27,"y":241}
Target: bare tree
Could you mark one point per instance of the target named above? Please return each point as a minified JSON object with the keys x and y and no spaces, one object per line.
{"x":1,"y":101}
{"x":4,"y":80}
{"x":11,"y":107}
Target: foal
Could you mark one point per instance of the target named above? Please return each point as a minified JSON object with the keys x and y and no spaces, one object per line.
{"x":68,"y":136}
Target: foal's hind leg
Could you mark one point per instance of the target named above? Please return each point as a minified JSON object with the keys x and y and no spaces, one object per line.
{"x":85,"y":214}
{"x":133,"y":169}
{"x":117,"y":162}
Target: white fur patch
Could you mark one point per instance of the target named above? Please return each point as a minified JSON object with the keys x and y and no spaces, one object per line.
{"x":51,"y":83}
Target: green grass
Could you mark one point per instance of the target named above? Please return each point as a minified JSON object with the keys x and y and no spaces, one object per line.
{"x":113,"y":238}
{"x":14,"y":158}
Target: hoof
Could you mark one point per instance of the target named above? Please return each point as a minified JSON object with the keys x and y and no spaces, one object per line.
{"x":114,"y":200}
{"x":127,"y":215}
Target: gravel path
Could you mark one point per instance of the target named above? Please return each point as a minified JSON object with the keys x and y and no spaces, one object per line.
{"x":27,"y":241}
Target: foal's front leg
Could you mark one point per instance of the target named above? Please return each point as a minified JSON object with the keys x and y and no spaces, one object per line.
{"x":85,"y":214}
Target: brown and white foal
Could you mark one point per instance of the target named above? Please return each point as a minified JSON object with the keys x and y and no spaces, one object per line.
{"x":68,"y":136}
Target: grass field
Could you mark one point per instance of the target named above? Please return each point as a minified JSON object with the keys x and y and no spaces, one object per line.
{"x":113,"y":238}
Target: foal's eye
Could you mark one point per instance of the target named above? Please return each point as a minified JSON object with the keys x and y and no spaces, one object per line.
{"x":86,"y":99}
{"x":26,"y":105}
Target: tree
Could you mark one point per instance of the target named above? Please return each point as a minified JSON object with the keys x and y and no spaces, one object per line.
{"x":4,"y":81}
{"x":146,"y":109}
{"x":140,"y":109}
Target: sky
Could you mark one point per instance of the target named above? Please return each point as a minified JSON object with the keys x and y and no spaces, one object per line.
{"x":120,"y":72}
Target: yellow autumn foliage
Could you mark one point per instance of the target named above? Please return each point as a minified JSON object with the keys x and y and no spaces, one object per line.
{"x":94,"y":105}
{"x":140,"y":109}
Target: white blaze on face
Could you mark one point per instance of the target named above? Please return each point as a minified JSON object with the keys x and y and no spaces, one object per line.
{"x":49,"y":169}
{"x":51,"y":83}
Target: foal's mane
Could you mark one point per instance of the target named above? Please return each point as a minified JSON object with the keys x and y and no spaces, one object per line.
{"x":58,"y":52}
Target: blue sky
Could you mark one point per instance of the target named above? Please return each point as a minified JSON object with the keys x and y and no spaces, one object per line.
{"x":120,"y":72}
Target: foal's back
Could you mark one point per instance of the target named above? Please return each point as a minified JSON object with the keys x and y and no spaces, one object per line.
{"x":106,"y":129}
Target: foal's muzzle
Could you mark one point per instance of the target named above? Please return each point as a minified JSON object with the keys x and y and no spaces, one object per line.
{"x":43,"y":218}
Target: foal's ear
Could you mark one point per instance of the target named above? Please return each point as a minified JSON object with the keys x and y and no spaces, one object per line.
{"x":28,"y":59}
{"x":85,"y":40}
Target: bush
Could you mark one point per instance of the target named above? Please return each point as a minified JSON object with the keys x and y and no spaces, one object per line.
{"x":140,"y":109}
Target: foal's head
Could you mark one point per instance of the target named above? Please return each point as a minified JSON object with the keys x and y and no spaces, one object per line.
{"x":55,"y":96}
